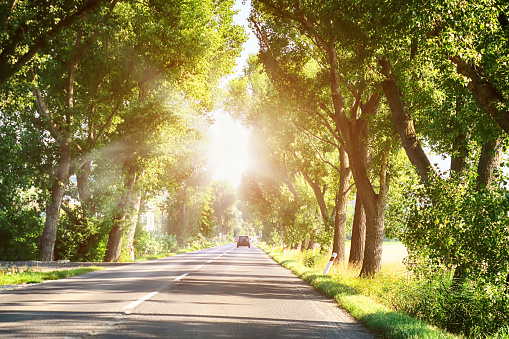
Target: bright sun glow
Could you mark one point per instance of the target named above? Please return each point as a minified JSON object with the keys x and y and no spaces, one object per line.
{"x":229,"y":150}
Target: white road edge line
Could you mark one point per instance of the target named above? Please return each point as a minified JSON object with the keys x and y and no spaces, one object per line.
{"x":128,"y":308}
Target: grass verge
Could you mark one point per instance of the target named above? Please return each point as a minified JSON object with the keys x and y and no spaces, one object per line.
{"x":30,"y":277}
{"x":378,"y":317}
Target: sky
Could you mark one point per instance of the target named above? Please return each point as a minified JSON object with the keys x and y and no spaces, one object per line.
{"x":230,"y":155}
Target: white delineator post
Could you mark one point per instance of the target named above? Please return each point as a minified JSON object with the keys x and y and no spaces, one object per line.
{"x":329,"y":264}
{"x":284,"y":250}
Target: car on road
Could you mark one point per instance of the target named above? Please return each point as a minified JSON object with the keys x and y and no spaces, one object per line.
{"x":243,"y":240}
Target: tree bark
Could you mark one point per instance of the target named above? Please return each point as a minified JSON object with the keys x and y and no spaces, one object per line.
{"x":372,"y":261}
{"x":404,"y":123}
{"x":114,"y":247}
{"x":82,"y":182}
{"x":458,"y":162}
{"x":338,"y":245}
{"x":491,"y":156}
{"x":374,"y":204}
{"x":318,"y":195}
{"x":49,"y":234}
{"x":131,"y":224}
{"x":358,"y":234}
{"x":486,"y":94}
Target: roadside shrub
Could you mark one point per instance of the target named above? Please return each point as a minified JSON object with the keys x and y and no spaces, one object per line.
{"x":150,"y":242}
{"x":311,"y":258}
{"x":19,"y":234}
{"x":475,"y":310}
{"x":458,"y":227}
{"x":80,"y":238}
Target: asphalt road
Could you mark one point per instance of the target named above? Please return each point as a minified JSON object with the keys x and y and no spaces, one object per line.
{"x":221,"y":292}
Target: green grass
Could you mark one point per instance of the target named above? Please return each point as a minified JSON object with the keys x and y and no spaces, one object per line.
{"x":29,"y":277}
{"x":366,"y":299}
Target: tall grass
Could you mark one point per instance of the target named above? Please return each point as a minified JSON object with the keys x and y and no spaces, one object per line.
{"x":30,"y":277}
{"x":369,"y":300}
{"x":399,"y":305}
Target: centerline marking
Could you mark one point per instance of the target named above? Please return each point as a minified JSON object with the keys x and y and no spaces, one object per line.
{"x":128,"y":308}
{"x":139,"y":301}
{"x":180,"y":277}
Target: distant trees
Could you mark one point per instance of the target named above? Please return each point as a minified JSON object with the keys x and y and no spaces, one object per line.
{"x":224,"y":205}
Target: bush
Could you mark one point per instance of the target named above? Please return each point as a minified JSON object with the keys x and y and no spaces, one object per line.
{"x":81,"y":239}
{"x":150,"y":242}
{"x":311,"y":258}
{"x":19,"y":234}
{"x":457,"y":228}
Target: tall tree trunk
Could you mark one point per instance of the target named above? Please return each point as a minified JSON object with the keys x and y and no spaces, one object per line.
{"x":358,"y":234}
{"x":404,"y":123}
{"x":491,"y":156}
{"x":458,"y":161}
{"x":61,"y":131}
{"x":358,"y":242}
{"x":131,"y":225}
{"x":352,"y":129}
{"x":372,"y":261}
{"x":114,"y":247}
{"x":82,"y":182}
{"x":183,"y":215}
{"x":49,"y":235}
{"x":374,"y":205}
{"x":338,"y":245}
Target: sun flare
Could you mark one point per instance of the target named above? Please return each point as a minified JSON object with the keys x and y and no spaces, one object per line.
{"x":229,"y":148}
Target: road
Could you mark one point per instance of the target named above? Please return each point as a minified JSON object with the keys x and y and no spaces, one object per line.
{"x":220,"y":292}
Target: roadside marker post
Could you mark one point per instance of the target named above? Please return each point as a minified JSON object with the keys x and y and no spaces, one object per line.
{"x":284,"y":250}
{"x":329,"y":264}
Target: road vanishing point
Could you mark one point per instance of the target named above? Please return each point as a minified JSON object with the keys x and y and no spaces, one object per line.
{"x":220,"y":292}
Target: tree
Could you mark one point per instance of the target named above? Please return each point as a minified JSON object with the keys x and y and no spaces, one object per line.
{"x":349,"y":114}
{"x":207,"y":221}
{"x":123,"y":67}
{"x":224,"y":200}
{"x":29,"y":27}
